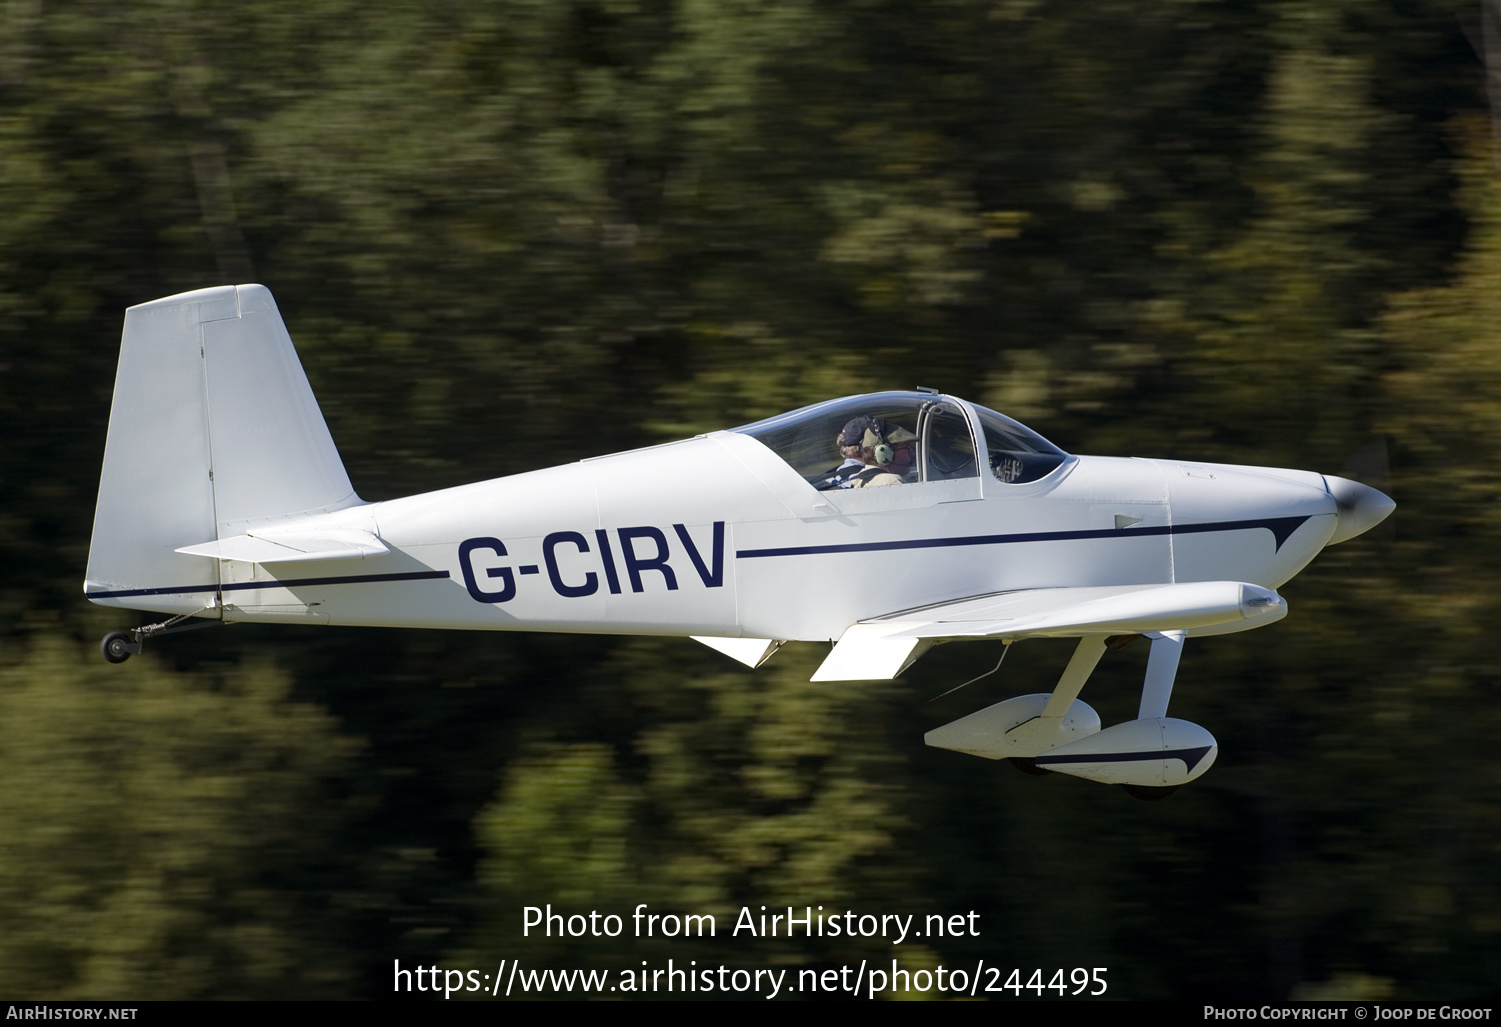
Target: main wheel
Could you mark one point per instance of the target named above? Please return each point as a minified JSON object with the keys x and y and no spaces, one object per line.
{"x":1149,"y":793}
{"x":1028,"y":765}
{"x":114,"y":646}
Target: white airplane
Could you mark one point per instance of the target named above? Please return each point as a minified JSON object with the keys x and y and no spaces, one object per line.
{"x":223,"y":498}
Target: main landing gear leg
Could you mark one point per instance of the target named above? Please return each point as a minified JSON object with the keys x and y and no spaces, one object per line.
{"x":1156,"y":690}
{"x":1086,"y":657}
{"x":1162,"y":668}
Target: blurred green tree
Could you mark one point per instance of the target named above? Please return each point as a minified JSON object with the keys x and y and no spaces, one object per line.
{"x":167,"y":835}
{"x":509,"y":235}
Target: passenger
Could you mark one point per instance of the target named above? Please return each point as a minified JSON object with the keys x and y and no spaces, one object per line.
{"x":886,"y":456}
{"x":840,"y":477}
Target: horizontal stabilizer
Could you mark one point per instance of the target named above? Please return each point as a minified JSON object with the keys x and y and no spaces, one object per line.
{"x":292,"y":547}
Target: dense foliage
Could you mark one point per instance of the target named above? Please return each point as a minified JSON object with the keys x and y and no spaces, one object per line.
{"x":506,"y":235}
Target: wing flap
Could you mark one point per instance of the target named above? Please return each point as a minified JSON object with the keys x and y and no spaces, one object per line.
{"x":869,"y":652}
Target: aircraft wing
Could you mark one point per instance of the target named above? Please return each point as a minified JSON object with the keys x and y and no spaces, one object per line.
{"x":881,"y":648}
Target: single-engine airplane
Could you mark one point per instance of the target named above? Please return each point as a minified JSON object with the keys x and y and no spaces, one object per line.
{"x":223,"y":498}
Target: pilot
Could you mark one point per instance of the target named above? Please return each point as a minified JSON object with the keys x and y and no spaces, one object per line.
{"x":875,"y":454}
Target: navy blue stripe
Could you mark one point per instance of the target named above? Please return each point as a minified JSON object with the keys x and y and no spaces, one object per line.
{"x":1190,"y":757}
{"x":241,"y":586}
{"x":1280,"y":527}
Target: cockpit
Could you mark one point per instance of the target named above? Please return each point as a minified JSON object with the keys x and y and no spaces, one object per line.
{"x":904,"y":438}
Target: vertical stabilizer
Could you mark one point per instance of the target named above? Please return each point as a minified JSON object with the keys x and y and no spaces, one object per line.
{"x":213,"y":429}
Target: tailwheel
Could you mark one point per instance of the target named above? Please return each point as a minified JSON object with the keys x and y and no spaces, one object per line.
{"x":1028,"y":765}
{"x":117,"y":646}
{"x":1149,"y":793}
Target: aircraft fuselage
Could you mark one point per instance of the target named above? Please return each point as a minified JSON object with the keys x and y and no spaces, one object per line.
{"x":716,"y":535}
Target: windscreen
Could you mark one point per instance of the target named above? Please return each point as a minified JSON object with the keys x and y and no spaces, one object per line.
{"x":1017,"y":453}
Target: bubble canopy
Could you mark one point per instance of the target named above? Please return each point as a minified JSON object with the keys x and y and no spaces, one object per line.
{"x":808,"y":439}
